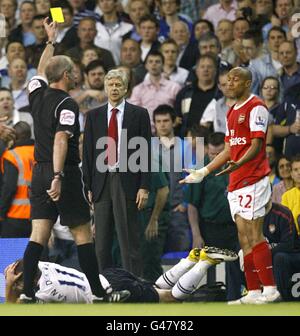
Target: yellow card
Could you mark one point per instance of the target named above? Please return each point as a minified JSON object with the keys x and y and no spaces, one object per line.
{"x":57,"y":14}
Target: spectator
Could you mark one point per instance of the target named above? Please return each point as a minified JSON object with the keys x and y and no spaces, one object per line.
{"x":155,"y":90}
{"x":208,"y":208}
{"x":280,"y":18}
{"x":131,"y":57}
{"x":283,"y":171}
{"x":291,"y":198}
{"x":35,"y":50}
{"x":290,"y":72}
{"x":188,"y":51}
{"x":67,"y":37}
{"x":42,"y":7}
{"x":15,"y":50}
{"x":136,"y":10}
{"x":170,"y":15}
{"x":225,"y":9}
{"x":214,"y":116}
{"x":148,"y":28}
{"x":201,"y":27}
{"x":81,"y":12}
{"x":8,"y":8}
{"x":178,"y":233}
{"x":23,"y":32}
{"x":193,"y":99}
{"x":89,"y":55}
{"x":224,"y":33}
{"x":268,"y":65}
{"x":170,"y":51}
{"x":111,"y":29}
{"x":16,"y":167}
{"x":8,"y":110}
{"x":240,"y":26}
{"x":86,"y":33}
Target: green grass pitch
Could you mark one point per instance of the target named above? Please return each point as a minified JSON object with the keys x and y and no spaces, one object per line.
{"x":176,"y":309}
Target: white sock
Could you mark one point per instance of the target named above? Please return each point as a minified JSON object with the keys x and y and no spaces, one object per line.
{"x":189,"y":282}
{"x":254,"y":292}
{"x":169,"y":278}
{"x":269,"y":290}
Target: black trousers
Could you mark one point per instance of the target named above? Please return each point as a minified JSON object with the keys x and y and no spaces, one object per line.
{"x":114,"y":211}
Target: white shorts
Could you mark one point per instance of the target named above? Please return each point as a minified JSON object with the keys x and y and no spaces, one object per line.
{"x":250,"y":202}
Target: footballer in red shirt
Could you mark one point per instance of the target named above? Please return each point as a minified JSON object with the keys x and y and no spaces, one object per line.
{"x":249,"y":190}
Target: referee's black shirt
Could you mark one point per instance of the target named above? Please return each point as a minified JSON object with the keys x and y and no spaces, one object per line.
{"x":53,"y":110}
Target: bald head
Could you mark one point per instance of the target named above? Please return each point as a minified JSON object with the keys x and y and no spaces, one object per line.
{"x":56,"y":67}
{"x":243,"y":73}
{"x":180,"y":32}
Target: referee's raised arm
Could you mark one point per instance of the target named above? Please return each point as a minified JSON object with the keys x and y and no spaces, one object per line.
{"x":51,"y":29}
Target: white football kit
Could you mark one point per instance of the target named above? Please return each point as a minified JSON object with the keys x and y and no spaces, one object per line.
{"x":62,"y":284}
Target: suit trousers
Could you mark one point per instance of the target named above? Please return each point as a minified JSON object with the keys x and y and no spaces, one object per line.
{"x":115,"y":212}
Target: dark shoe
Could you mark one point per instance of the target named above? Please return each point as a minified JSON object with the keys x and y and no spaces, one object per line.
{"x":116,"y":296}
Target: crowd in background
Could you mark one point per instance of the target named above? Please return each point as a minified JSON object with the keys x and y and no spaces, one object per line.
{"x":176,"y":55}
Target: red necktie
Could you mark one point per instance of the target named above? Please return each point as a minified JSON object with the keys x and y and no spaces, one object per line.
{"x":112,"y":146}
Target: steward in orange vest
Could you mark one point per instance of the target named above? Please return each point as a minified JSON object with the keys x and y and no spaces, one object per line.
{"x":16,"y":167}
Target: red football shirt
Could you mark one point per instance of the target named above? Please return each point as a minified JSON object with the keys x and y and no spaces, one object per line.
{"x":245,"y":122}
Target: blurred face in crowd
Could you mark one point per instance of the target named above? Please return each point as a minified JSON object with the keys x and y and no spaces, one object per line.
{"x":225,"y":31}
{"x":39,"y":30}
{"x":15,"y":50}
{"x":270,"y":90}
{"x":42,"y":6}
{"x":223,"y":84}
{"x":130,"y":53}
{"x":6,"y":104}
{"x":107,"y":6}
{"x":164,"y":125}
{"x":287,"y":54}
{"x":170,"y":53}
{"x":250,"y":50}
{"x":137,"y":9}
{"x":87,"y":31}
{"x":296,"y":173}
{"x":8,"y":8}
{"x":276,"y":38}
{"x":88,"y":56}
{"x":77,"y":4}
{"x":115,"y":89}
{"x":27,"y":12}
{"x":77,"y":74}
{"x":284,"y":168}
{"x":169,"y":7}
{"x":148,"y":31}
{"x":264,"y":7}
{"x":200,"y":29}
{"x":206,"y":70}
{"x":17,"y":70}
{"x":154,"y":65}
{"x":95,"y":78}
{"x":180,"y":33}
{"x":210,"y":46}
{"x":283,"y":8}
{"x":213,"y":151}
{"x":239,"y":28}
{"x":68,"y":16}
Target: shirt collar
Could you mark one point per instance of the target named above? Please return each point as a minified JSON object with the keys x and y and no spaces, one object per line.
{"x":162,"y":81}
{"x":120,"y":107}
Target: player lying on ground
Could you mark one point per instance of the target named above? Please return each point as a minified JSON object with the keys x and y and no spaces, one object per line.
{"x":55,"y":283}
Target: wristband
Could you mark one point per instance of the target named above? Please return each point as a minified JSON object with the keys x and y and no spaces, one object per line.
{"x":59,"y":175}
{"x":50,"y":42}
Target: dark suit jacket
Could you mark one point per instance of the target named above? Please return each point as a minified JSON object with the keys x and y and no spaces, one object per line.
{"x":190,"y":56}
{"x":137,"y":123}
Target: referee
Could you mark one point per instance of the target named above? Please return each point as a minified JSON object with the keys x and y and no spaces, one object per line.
{"x":57,"y":188}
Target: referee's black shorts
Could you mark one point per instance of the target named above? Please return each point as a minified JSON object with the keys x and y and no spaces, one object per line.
{"x":140,"y":290}
{"x":72,"y":207}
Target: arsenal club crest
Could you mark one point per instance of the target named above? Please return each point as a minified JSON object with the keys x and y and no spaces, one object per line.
{"x":242,"y":118}
{"x":272,"y":228}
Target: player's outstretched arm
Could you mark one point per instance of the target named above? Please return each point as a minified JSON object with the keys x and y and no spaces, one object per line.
{"x":51,"y":29}
{"x":197,"y":175}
